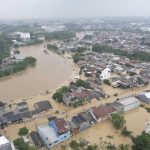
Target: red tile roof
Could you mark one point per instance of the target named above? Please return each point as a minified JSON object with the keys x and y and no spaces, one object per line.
{"x":81,"y":95}
{"x":103,"y":111}
{"x":61,"y":125}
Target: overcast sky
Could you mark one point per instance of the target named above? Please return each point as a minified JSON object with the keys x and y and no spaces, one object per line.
{"x":28,"y":9}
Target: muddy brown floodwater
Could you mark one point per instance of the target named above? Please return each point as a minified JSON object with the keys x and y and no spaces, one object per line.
{"x":50,"y":71}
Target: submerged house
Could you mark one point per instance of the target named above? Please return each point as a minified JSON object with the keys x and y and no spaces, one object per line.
{"x":81,"y":122}
{"x":128,"y":103}
{"x":102,"y":112}
{"x":55,"y":132}
{"x":43,"y":106}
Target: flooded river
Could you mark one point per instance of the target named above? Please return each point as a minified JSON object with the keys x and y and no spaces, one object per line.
{"x":50,"y":72}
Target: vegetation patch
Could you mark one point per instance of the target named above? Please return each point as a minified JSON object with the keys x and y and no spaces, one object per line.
{"x":60,"y":35}
{"x":16,"y":67}
{"x":23,"y":131}
{"x":58,"y":95}
{"x":118,"y":121}
{"x":138,"y":55}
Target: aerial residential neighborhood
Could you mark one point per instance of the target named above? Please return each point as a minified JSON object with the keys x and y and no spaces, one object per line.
{"x":75,"y":75}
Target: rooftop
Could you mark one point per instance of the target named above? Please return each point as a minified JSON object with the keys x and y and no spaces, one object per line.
{"x":3,"y":140}
{"x":47,"y":134}
{"x":128,"y":100}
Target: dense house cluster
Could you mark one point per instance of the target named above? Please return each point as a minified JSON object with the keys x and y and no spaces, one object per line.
{"x":59,"y":130}
{"x":21,"y":112}
{"x":126,"y":73}
{"x":81,"y":93}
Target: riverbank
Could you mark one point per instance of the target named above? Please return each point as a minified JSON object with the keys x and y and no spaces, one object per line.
{"x":50,"y":72}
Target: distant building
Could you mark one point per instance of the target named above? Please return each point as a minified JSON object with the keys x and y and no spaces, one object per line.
{"x":105,"y":74}
{"x":18,"y":57}
{"x":23,"y":35}
{"x":144,"y":97}
{"x":41,"y":38}
{"x":5,"y":144}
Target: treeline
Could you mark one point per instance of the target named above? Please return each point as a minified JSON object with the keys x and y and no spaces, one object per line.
{"x":138,"y":55}
{"x":4,"y":48}
{"x":51,"y":46}
{"x":77,"y":57}
{"x":18,"y":66}
{"x":60,"y":35}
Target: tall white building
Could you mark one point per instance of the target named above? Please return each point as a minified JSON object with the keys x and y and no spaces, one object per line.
{"x":105,"y":74}
{"x":23,"y":35}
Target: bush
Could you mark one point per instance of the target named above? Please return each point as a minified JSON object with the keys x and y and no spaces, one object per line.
{"x":74,"y":144}
{"x":125,"y":132}
{"x":23,"y":131}
{"x":115,"y":94}
{"x":58,"y":95}
{"x":148,"y":109}
{"x":117,"y":120}
{"x":20,"y":144}
{"x":107,"y":82}
{"x":77,"y":57}
{"x":141,"y":142}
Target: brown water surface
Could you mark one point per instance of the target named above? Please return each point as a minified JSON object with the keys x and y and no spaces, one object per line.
{"x":50,"y":71}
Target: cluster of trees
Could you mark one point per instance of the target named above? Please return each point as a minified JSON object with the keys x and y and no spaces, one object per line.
{"x":103,"y":145}
{"x":88,"y":37}
{"x":21,"y":145}
{"x":60,"y":35}
{"x":58,"y":95}
{"x":4,"y":48}
{"x":23,"y":131}
{"x":77,"y":57}
{"x":118,"y":121}
{"x":18,"y":66}
{"x":51,"y":46}
{"x":141,"y":142}
{"x":138,"y":55}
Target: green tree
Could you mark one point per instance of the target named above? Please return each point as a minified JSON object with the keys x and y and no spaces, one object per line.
{"x":118,"y":120}
{"x":58,"y":95}
{"x":20,"y":144}
{"x":123,"y":147}
{"x":77,"y":57}
{"x":23,"y":131}
{"x":141,"y":142}
{"x":74,"y":144}
{"x":125,"y":132}
{"x":106,"y":81}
